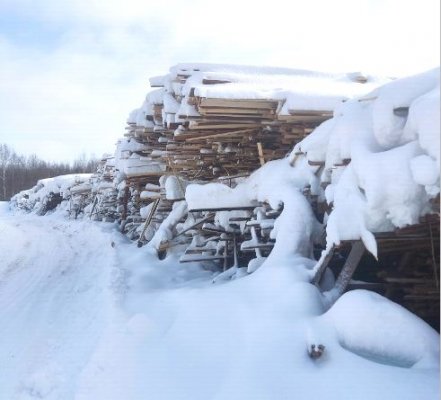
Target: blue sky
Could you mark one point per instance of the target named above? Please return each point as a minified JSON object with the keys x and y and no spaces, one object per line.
{"x":73,"y":70}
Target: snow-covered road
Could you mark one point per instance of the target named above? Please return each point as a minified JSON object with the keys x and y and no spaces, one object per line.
{"x":85,"y":315}
{"x":63,"y":320}
{"x":54,"y":296}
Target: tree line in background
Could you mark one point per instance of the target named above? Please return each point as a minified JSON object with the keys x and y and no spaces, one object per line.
{"x":18,"y":172}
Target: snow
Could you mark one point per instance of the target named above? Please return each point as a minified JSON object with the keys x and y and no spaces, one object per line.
{"x":155,"y":96}
{"x":157,"y":80}
{"x":380,"y":338}
{"x":164,"y":232}
{"x":295,"y":89}
{"x":300,"y":87}
{"x":118,"y":323}
{"x":215,"y":195}
{"x":388,"y":128}
{"x":424,"y":122}
{"x":424,"y":170}
{"x":53,"y":301}
{"x":145,"y":211}
{"x":175,"y":187}
{"x":145,"y":195}
{"x":278,"y":184}
{"x":141,"y":167}
{"x":170,"y":104}
{"x":393,"y":170}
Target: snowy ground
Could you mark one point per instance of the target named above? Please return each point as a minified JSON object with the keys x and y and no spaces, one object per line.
{"x":86,"y":315}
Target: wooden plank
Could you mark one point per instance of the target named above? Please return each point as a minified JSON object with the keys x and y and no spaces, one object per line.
{"x":194,"y":125}
{"x":196,"y":224}
{"x":260,"y":151}
{"x":208,"y":81}
{"x":148,"y":221}
{"x":200,"y":257}
{"x":246,"y":103}
{"x":235,"y":110}
{"x":316,"y":163}
{"x":401,"y":111}
{"x":222,"y":134}
{"x":311,"y":113}
{"x":258,"y":246}
{"x":347,"y":271}
{"x":202,"y":250}
{"x":322,"y":267}
{"x":245,"y":208}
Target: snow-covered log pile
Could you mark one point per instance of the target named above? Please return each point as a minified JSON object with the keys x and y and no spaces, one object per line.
{"x":361,"y":179}
{"x":298,"y":227}
{"x":378,"y":176}
{"x":104,"y":206}
{"x":205,"y":121}
{"x":375,"y":164}
{"x":47,"y":194}
{"x":379,"y":159}
{"x":379,"y":165}
{"x":374,"y":168}
{"x":94,"y":195}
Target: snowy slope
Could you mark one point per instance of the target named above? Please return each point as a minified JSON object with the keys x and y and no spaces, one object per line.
{"x":83,"y":315}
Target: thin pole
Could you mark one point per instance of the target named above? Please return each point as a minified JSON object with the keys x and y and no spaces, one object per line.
{"x":435,"y":274}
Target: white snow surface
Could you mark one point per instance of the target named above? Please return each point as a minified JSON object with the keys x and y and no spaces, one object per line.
{"x":296,"y":89}
{"x":87,"y":315}
{"x":391,"y":140}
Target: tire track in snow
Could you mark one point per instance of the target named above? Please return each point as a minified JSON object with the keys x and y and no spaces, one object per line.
{"x":54,"y":303}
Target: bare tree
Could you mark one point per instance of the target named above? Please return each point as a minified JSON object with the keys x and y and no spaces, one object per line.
{"x":5,"y":159}
{"x":18,"y":172}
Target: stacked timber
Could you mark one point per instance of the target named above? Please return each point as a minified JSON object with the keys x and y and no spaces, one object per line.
{"x":79,"y":196}
{"x":406,"y":271}
{"x":203,"y":122}
{"x":104,"y":206}
{"x":409,"y":267}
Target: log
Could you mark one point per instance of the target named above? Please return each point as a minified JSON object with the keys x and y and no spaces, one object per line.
{"x":346,"y":273}
{"x":324,"y":262}
{"x":260,"y":151}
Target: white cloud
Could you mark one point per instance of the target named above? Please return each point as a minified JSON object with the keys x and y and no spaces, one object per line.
{"x":75,"y":94}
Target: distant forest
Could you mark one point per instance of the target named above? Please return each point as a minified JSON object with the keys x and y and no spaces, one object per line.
{"x":18,"y":172}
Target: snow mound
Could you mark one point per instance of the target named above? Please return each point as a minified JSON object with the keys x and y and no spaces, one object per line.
{"x":378,"y":329}
{"x":381,"y":158}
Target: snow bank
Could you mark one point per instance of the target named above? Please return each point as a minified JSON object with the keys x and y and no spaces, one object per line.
{"x":100,"y":319}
